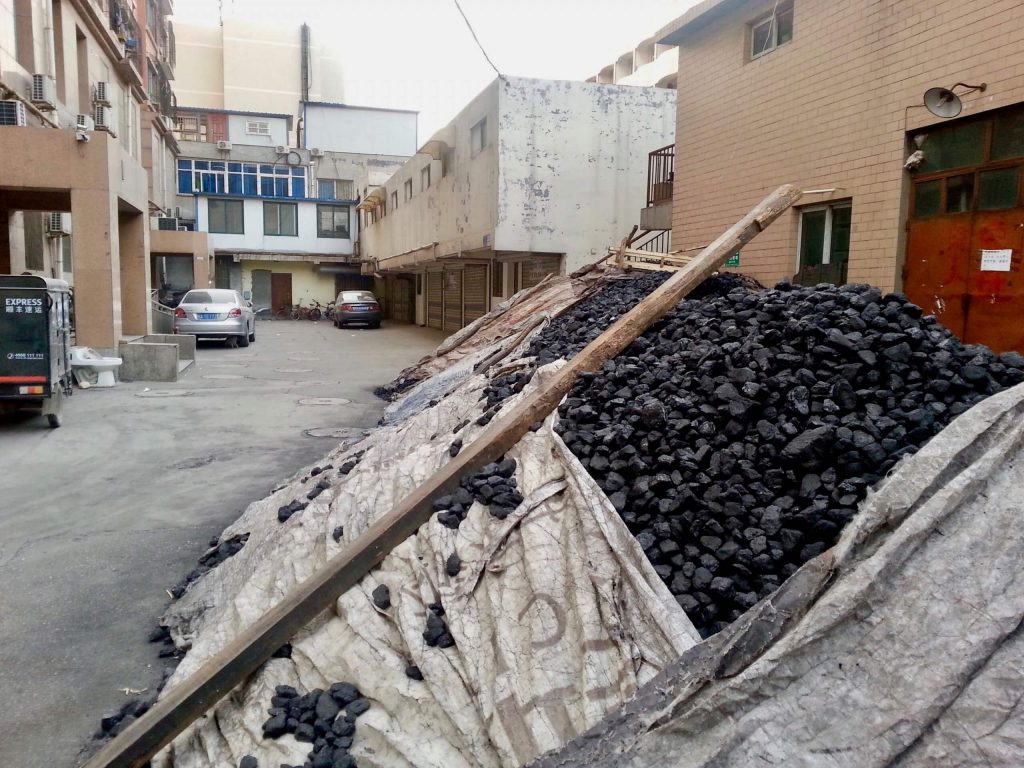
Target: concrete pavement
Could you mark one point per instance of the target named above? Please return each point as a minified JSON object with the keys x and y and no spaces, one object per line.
{"x":100,"y":516}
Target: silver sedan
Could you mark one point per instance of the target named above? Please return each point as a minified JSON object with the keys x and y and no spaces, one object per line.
{"x":214,"y":313}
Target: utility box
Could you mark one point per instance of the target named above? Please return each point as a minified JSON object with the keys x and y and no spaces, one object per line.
{"x":35,"y":343}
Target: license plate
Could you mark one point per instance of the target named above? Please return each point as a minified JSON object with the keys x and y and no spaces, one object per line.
{"x":206,"y":316}
{"x":359,"y":309}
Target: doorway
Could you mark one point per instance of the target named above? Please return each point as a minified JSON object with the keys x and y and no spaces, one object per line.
{"x":281,"y":290}
{"x":261,"y":289}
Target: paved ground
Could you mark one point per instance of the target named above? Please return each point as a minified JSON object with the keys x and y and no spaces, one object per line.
{"x":103,"y":514}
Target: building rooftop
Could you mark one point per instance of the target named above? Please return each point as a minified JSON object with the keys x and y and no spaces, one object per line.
{"x":695,"y":19}
{"x":336,"y":105}
{"x":237,"y":112}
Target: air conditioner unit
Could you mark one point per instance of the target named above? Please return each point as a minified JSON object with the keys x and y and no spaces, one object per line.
{"x":12,"y":112}
{"x":84,"y":123}
{"x":225,"y":145}
{"x":44,"y":92}
{"x":104,"y":119}
{"x":101,"y":94}
{"x":167,"y":224}
{"x":282,"y":149}
{"x":316,"y":152}
{"x":58,"y":224}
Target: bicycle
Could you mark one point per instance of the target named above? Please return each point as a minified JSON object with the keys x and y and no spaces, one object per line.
{"x":319,"y":311}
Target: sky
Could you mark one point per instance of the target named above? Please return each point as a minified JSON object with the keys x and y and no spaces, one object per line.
{"x":419,"y":54}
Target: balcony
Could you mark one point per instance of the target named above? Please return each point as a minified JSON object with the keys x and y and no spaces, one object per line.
{"x":661,"y":171}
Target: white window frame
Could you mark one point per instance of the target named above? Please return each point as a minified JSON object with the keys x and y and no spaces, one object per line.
{"x":826,"y":244}
{"x":257,"y":127}
{"x":772,"y":19}
{"x":478,"y":137}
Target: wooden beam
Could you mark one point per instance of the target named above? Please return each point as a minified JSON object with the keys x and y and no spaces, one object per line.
{"x":229,"y":668}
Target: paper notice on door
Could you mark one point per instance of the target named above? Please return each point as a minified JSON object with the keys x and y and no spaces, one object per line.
{"x":996,"y":261}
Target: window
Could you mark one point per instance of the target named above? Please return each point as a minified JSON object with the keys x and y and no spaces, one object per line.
{"x":332,"y":221}
{"x":824,"y":244}
{"x":190,"y":127}
{"x":326,"y":189}
{"x":257,"y":127}
{"x":408,"y":190}
{"x":424,"y":178}
{"x":216,"y":177}
{"x":960,"y":193}
{"x":478,"y":137}
{"x":927,"y":199}
{"x":998,"y":189}
{"x":447,"y":161}
{"x":769,"y":33}
{"x":226,"y":217}
{"x":280,"y":219}
{"x":394,"y":201}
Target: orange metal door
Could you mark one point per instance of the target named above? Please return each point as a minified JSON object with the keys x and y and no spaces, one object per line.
{"x":937,"y":266}
{"x":995,"y":299}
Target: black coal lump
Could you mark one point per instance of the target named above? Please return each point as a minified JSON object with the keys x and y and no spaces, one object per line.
{"x":382,"y":596}
{"x":286,"y":511}
{"x":737,"y":436}
{"x":413,"y":672}
{"x":453,"y":564}
{"x":248,"y":762}
{"x":454,"y":448}
{"x":436,"y":634}
{"x":324,"y":719}
{"x":338,"y":532}
{"x":317,"y":489}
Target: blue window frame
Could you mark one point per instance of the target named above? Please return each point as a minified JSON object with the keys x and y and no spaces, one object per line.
{"x":214,"y":177}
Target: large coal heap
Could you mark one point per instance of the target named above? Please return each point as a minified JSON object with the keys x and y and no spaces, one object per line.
{"x":738,"y":435}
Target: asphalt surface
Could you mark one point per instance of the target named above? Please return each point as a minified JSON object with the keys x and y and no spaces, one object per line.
{"x":100,"y":516}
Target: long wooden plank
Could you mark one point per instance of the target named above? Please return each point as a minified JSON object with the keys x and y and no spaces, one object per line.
{"x":184,"y":703}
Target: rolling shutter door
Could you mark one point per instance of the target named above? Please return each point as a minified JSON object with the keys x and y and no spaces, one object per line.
{"x":475,"y":292}
{"x":535,"y":269}
{"x":452,"y":299}
{"x":435,"y":299}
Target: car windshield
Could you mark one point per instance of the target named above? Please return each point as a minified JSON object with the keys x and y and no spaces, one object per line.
{"x":357,"y":296}
{"x":209,"y":297}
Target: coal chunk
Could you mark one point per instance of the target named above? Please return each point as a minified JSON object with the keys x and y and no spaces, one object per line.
{"x":382,"y":596}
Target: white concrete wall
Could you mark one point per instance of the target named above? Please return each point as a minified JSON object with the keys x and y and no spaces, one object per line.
{"x":366,"y":131}
{"x":254,"y":240}
{"x":278,"y":131}
{"x":459,"y":211}
{"x":573,"y":163}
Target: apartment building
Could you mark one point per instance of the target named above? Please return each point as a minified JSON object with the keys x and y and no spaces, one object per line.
{"x":280,"y":220}
{"x":252,"y":65}
{"x":532,"y":177}
{"x":830,"y":97}
{"x":648,"y":64}
{"x":87,"y":151}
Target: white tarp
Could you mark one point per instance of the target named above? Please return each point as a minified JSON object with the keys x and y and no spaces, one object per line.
{"x":557,"y":614}
{"x":901,"y":646}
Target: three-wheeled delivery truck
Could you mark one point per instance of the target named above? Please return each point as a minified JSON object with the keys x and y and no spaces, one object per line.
{"x":35,"y":343}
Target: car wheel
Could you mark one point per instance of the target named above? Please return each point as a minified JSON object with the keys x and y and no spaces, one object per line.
{"x":252,"y":336}
{"x":243,"y":340}
{"x":53,"y":419}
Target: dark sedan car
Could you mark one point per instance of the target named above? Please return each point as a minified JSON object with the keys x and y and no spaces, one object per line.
{"x":356,"y":307}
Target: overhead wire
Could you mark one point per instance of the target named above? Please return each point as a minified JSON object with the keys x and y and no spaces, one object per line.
{"x":475,"y":38}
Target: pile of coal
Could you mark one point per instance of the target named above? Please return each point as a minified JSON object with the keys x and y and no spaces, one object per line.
{"x":738,"y":435}
{"x":325,"y":719}
{"x":500,"y":388}
{"x":493,"y":486}
{"x":219,"y":552}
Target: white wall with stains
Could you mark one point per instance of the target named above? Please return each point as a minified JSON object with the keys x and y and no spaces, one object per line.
{"x":573,"y":163}
{"x":563,"y":170}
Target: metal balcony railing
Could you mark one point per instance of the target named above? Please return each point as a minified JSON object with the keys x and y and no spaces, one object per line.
{"x":661,"y":171}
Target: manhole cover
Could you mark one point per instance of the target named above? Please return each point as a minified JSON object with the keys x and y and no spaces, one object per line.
{"x":324,"y":401}
{"x":294,"y":370}
{"x":164,"y":393}
{"x":223,"y":376}
{"x":338,"y":433}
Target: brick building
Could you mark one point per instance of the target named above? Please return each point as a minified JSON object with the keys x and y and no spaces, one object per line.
{"x":828,"y":95}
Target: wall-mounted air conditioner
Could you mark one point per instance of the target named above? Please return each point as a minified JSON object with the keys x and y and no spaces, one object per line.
{"x":281,"y":149}
{"x":103,"y":117}
{"x":58,"y":224}
{"x":224,"y":145}
{"x":101,"y":93}
{"x":316,"y":152}
{"x":84,"y":123}
{"x":12,"y":112}
{"x":44,"y":92}
{"x":167,"y":224}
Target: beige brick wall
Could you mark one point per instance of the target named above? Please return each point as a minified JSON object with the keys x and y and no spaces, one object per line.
{"x":828,"y":109}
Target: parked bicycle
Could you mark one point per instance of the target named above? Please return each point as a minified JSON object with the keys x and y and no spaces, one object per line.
{"x":319,"y":311}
